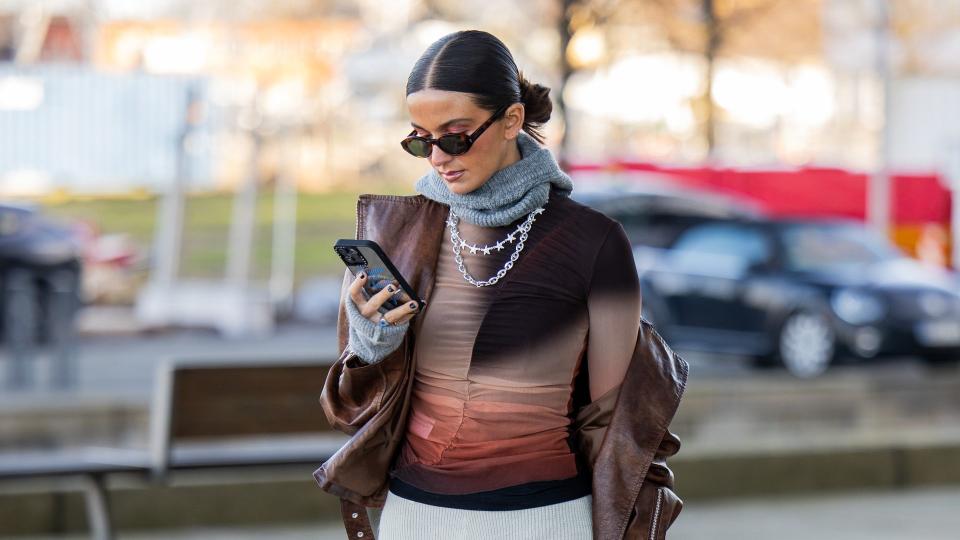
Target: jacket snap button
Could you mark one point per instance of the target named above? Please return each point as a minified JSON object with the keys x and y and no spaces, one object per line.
{"x":355,"y":515}
{"x":360,"y":534}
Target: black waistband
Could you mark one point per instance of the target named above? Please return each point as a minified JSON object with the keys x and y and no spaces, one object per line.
{"x":519,"y":497}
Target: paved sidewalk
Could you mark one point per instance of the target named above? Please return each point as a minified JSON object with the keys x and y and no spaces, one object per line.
{"x":927,"y":514}
{"x":919,"y":514}
{"x":288,"y":532}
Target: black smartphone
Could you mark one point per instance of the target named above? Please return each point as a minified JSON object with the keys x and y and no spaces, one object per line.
{"x":367,"y":256}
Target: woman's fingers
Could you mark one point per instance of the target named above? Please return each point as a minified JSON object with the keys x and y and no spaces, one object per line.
{"x":401,"y":314}
{"x":403,"y":296}
{"x":369,"y":310}
{"x":356,"y":290}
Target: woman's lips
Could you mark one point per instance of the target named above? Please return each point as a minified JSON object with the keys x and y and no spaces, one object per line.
{"x":452,"y":176}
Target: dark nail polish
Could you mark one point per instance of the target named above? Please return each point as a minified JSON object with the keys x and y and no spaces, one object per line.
{"x":362,"y":275}
{"x":413,"y":305}
{"x":390,"y":288}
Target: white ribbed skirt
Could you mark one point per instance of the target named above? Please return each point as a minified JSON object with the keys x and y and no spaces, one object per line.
{"x":403,"y":519}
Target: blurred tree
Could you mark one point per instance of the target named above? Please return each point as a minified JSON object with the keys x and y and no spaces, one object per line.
{"x":735,"y":27}
{"x":564,"y":31}
{"x":255,"y":9}
{"x":785,"y":31}
{"x":578,"y":18}
{"x":927,"y":39}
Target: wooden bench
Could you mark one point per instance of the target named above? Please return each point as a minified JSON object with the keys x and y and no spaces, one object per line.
{"x":206,"y":413}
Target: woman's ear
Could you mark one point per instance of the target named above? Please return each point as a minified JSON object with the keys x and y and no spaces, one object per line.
{"x":513,"y":120}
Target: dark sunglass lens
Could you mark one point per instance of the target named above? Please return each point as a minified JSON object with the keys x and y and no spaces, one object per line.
{"x":454,"y":144}
{"x":417,"y":147}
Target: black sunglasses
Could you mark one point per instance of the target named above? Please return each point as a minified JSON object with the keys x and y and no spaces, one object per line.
{"x":454,"y":144}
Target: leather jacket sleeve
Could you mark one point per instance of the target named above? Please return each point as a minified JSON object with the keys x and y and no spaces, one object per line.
{"x":354,"y":391}
{"x":657,"y":506}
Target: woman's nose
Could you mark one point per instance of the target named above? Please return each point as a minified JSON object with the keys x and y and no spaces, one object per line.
{"x":439,"y":157}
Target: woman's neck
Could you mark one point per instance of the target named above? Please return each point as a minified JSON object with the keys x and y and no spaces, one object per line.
{"x":512,"y":155}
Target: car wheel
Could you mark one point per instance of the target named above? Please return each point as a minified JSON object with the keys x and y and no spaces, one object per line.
{"x":806,"y":344}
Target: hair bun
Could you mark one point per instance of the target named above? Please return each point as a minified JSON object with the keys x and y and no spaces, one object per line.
{"x":536,"y":103}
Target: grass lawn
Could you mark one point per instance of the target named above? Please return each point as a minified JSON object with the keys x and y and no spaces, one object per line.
{"x":321,"y":219}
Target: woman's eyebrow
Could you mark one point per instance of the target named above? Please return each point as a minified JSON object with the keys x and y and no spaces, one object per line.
{"x":444,"y":125}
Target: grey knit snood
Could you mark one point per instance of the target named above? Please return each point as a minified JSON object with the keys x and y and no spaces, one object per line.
{"x":510,"y":193}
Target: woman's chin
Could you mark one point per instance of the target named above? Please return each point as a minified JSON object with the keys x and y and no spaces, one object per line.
{"x":460,"y":187}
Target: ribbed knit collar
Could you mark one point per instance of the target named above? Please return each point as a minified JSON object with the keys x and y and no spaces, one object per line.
{"x":510,"y":193}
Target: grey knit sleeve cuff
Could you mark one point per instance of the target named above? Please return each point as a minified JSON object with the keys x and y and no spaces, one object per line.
{"x":367,"y":339}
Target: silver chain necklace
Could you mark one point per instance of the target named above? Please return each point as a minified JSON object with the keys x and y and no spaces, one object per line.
{"x":459,"y":244}
{"x":485,"y":250}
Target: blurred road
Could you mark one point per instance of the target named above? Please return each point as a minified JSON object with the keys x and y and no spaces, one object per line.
{"x":928,"y":514}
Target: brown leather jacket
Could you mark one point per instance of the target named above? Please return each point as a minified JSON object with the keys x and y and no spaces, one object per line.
{"x":625,"y":434}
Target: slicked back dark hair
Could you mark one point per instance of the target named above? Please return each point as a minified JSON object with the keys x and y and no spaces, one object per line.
{"x":479,"y":64}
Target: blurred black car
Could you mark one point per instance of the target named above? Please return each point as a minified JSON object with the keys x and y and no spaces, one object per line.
{"x":39,"y":256}
{"x":800,"y":293}
{"x":654,"y":215}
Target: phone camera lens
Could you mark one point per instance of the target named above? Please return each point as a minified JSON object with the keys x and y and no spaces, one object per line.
{"x":352,"y":256}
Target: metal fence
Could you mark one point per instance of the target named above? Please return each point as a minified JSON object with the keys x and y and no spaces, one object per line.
{"x":95,"y":131}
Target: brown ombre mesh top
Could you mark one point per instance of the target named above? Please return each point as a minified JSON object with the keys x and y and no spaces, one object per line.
{"x":495,"y":366}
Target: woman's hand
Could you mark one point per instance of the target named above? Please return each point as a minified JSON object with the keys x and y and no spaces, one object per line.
{"x":370,"y":308}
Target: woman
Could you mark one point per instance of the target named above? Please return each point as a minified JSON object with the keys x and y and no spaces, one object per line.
{"x":520,"y":403}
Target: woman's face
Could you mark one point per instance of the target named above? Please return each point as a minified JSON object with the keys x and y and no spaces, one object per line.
{"x":436,"y":112}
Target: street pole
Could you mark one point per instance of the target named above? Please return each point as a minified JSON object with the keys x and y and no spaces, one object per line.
{"x":954,"y":227}
{"x":244,"y":218}
{"x":168,"y":239}
{"x":283,"y":256}
{"x":20,"y":326}
{"x":952,"y":173}
{"x":64,"y":303}
{"x":878,"y":194}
